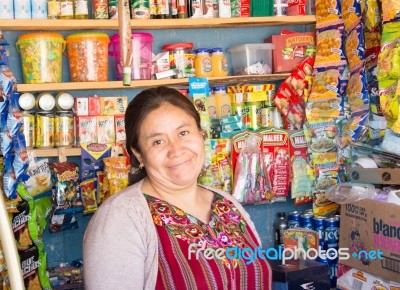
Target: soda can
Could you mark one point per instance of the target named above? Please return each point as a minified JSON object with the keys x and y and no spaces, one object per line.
{"x":44,"y":130}
{"x":267,"y":117}
{"x":331,"y":239}
{"x":310,"y":7}
{"x":310,"y":211}
{"x":333,"y":270}
{"x":318,"y":226}
{"x":29,"y":128}
{"x":294,"y":219}
{"x":64,"y":129}
{"x":306,"y":221}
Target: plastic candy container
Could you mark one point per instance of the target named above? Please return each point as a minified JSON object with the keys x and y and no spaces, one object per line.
{"x":41,"y":57}
{"x":88,"y":56}
{"x":142,"y":49}
{"x":181,"y":58}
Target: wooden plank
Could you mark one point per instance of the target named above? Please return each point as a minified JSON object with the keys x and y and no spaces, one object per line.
{"x":375,"y":175}
{"x":54,"y":152}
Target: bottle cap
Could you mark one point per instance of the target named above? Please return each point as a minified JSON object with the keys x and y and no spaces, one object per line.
{"x":26,"y":101}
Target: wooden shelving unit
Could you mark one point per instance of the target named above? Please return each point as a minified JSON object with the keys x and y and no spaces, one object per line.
{"x":111,"y":85}
{"x":152,"y":24}
{"x":55,"y":152}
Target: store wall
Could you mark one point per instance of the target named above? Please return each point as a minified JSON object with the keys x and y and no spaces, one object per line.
{"x":66,"y":246}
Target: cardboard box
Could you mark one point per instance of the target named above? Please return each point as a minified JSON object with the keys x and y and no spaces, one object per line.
{"x":299,"y":275}
{"x":290,"y":49}
{"x":81,"y":106}
{"x":370,"y":229}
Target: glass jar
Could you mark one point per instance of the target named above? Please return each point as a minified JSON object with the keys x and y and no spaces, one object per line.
{"x":53,"y":9}
{"x":66,"y":9}
{"x":81,"y":9}
{"x":219,"y":62}
{"x":181,"y":58}
{"x":202,"y":63}
{"x":100,"y":9}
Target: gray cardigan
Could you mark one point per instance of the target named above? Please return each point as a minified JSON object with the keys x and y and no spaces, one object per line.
{"x":120,"y":248}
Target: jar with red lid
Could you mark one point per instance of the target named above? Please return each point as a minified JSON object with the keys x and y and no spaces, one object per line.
{"x":181,"y":58}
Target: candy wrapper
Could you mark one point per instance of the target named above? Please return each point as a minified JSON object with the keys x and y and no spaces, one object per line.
{"x":116,"y":171}
{"x":249,"y":180}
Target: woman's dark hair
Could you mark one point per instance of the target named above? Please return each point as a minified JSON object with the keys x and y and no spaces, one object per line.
{"x":143,"y":104}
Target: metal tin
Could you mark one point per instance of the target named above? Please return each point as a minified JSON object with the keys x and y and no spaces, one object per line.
{"x":267,"y":117}
{"x":64,"y":101}
{"x":306,"y":221}
{"x":29,"y":128}
{"x":27,"y":101}
{"x":64,"y":129}
{"x":331,"y":239}
{"x":294,"y":219}
{"x":140,"y":9}
{"x":253,"y":115}
{"x":112,"y":9}
{"x":45,"y":102}
{"x":44,"y":130}
{"x":100,"y":9}
{"x":318,"y":226}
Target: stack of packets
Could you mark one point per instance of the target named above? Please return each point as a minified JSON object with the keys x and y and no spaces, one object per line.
{"x":351,"y":278}
{"x":100,"y":120}
{"x":103,"y":174}
{"x":267,"y":164}
{"x":227,"y":126}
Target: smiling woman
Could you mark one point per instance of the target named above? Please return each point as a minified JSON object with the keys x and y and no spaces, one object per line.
{"x":140,"y":237}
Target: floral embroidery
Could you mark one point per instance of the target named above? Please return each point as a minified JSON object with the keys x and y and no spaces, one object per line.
{"x":225,"y":228}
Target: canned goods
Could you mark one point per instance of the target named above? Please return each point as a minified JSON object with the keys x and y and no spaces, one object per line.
{"x":44,"y":130}
{"x":64,"y":101}
{"x":306,"y":221}
{"x":310,"y":211}
{"x":26,"y":101}
{"x":294,"y":219}
{"x":112,"y":9}
{"x":267,"y":117}
{"x":64,"y":129}
{"x":253,"y":115}
{"x":29,"y":128}
{"x":331,"y":239}
{"x":45,"y":102}
{"x":140,"y":9}
{"x":100,"y":9}
{"x":318,"y":226}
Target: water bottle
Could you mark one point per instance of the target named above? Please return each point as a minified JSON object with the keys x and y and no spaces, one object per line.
{"x":280,"y":225}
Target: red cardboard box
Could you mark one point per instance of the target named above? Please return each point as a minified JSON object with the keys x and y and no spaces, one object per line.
{"x":290,"y":49}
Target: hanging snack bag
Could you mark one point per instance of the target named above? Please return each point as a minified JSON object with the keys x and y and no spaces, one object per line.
{"x":357,"y":91}
{"x":351,"y":13}
{"x":116,"y":172}
{"x":65,"y":191}
{"x":390,"y":11}
{"x":330,"y":47}
{"x":39,"y":180}
{"x":88,"y":191}
{"x":328,"y":13}
{"x":354,"y":47}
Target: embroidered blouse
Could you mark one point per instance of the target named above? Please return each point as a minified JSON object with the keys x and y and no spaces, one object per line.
{"x":191,"y":252}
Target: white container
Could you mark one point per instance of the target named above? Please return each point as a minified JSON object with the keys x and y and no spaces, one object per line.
{"x":39,"y":9}
{"x":252,"y":59}
{"x":7,"y":9}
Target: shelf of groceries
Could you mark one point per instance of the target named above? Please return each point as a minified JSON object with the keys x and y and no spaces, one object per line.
{"x":111,"y":85}
{"x":188,"y":23}
{"x":55,"y":152}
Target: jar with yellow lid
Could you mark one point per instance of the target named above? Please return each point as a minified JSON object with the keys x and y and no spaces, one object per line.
{"x":202,"y":63}
{"x":219,"y":62}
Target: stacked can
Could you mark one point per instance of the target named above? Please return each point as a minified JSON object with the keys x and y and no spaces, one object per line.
{"x":306,"y":221}
{"x":331,"y":240}
{"x":294,"y":219}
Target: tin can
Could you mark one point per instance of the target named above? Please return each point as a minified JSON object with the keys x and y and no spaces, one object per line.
{"x":310,"y":7}
{"x":64,"y":101}
{"x":112,"y":9}
{"x":140,"y":9}
{"x":294,"y":219}
{"x":267,"y":117}
{"x":310,"y":211}
{"x":331,"y":239}
{"x":44,"y":130}
{"x":29,"y":128}
{"x":306,"y":221}
{"x":100,"y":9}
{"x":7,"y":11}
{"x":45,"y":102}
{"x":253,"y":115}
{"x":64,"y":129}
{"x":318,"y":226}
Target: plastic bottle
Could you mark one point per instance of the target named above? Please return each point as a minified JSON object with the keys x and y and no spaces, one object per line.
{"x":202,"y":63}
{"x":219,"y":63}
{"x":224,"y":105}
{"x":212,"y":106}
{"x":66,"y":9}
{"x":280,"y":225}
{"x":81,"y":9}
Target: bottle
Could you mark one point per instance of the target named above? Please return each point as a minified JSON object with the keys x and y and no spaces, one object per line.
{"x":100,"y":9}
{"x":53,"y":9}
{"x":280,"y":225}
{"x":212,"y":106}
{"x":81,"y":9}
{"x":202,"y":63}
{"x":66,"y":9}
{"x":219,"y":62}
{"x":224,"y":105}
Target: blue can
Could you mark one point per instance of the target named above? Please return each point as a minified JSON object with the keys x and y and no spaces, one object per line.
{"x":331,"y":226}
{"x":306,"y":221}
{"x":294,"y":219}
{"x":318,"y":226}
{"x":333,"y":269}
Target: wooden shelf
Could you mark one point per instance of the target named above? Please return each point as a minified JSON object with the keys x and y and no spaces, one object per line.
{"x":54,"y":152}
{"x":112,"y":85}
{"x":136,"y":24}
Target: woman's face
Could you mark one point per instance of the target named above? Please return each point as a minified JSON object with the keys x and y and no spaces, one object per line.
{"x":172,"y":147}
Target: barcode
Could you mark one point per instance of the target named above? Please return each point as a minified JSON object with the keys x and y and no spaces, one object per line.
{"x":357,"y":284}
{"x":391,"y":264}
